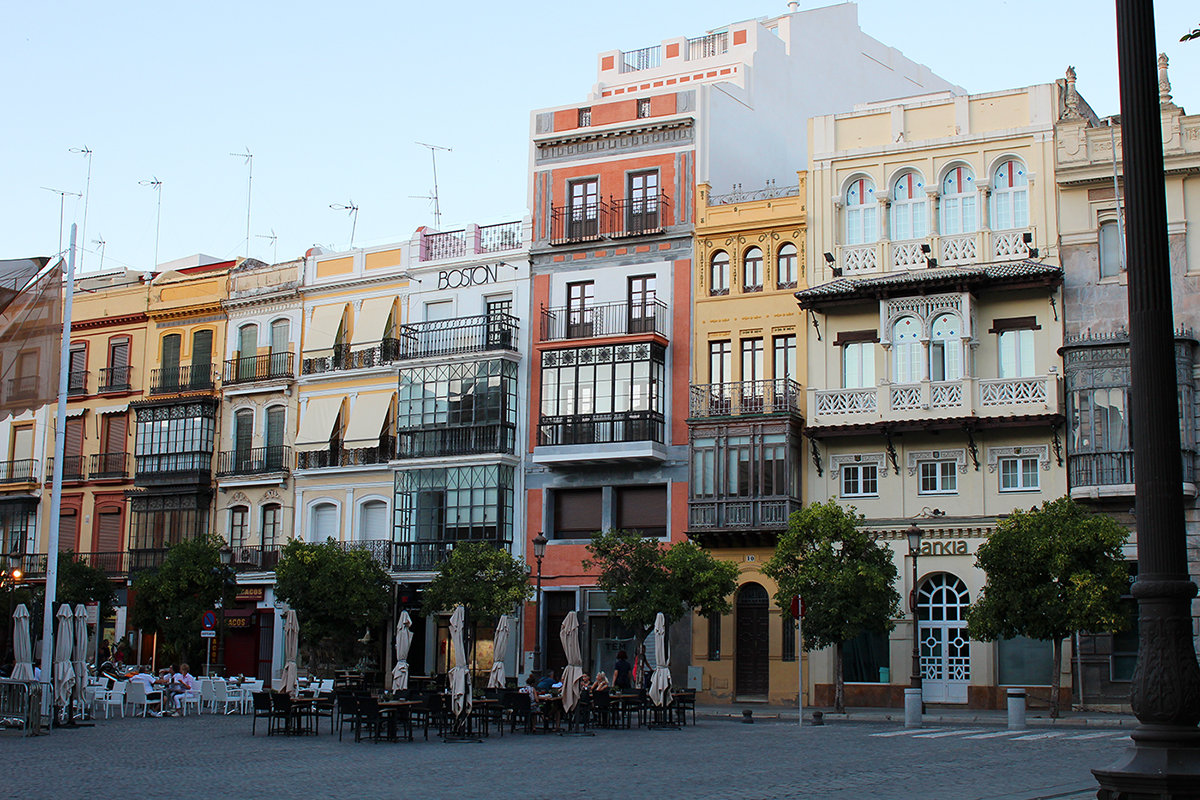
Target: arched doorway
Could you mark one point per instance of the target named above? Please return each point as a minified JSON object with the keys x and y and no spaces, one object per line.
{"x":752,"y":669}
{"x":945,"y":643}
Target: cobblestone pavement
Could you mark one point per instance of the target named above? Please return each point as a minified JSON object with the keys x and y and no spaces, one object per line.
{"x":215,"y":757}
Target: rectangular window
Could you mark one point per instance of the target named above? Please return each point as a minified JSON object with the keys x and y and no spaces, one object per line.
{"x":580,"y":302}
{"x":454,"y":504}
{"x":720,"y":362}
{"x":858,"y":365}
{"x":1112,"y":249}
{"x":939,"y":477}
{"x":585,"y":117}
{"x":704,"y":467}
{"x":785,"y":356}
{"x":583,"y":205}
{"x":239,"y":526}
{"x":642,"y":304}
{"x":752,"y":360}
{"x":788,"y":639}
{"x":577,"y":513}
{"x":1024,"y":662}
{"x":714,"y":637}
{"x":1016,"y":354}
{"x":642,"y":509}
{"x":865,"y":658}
{"x":609,"y":383}
{"x":643,"y":108}
{"x":741,"y":472}
{"x":1125,"y":643}
{"x":272,"y":524}
{"x":860,"y":480}
{"x":175,"y":438}
{"x":1019,"y":475}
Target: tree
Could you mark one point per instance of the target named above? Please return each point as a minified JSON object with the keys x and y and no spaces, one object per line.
{"x":846,"y":578}
{"x":1051,"y":571}
{"x":335,"y":592}
{"x":643,"y":577}
{"x":485,"y":579}
{"x":171,"y":599}
{"x":80,"y":582}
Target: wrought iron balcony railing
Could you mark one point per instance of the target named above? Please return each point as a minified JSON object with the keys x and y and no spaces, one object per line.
{"x":461,"y":335}
{"x":170,"y":468}
{"x":618,"y":217}
{"x":23,"y":388}
{"x":458,"y":441}
{"x":252,"y":369}
{"x":254,"y":461}
{"x":580,"y":223}
{"x":346,"y":357}
{"x":115,"y":379}
{"x":188,"y":378}
{"x":22,"y":470}
{"x":637,"y":217}
{"x":77,"y":382}
{"x":714,"y":44}
{"x":606,"y":319}
{"x":1114,"y":468}
{"x":72,"y":468}
{"x":347,"y":456}
{"x":626,"y":426}
{"x":501,"y":237}
{"x":109,"y":466}
{"x":746,"y":397}
{"x":255,"y":557}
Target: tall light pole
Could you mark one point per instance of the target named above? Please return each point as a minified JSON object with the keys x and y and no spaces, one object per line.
{"x":913,"y":701}
{"x":228,"y":578}
{"x":539,"y":551}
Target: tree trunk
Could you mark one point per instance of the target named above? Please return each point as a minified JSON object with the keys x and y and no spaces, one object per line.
{"x":1056,"y":679}
{"x":839,"y":685}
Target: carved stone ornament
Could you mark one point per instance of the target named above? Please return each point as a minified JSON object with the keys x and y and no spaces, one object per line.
{"x":239,"y":497}
{"x":272,"y":494}
{"x":1164,"y":83}
{"x":1042,"y":451}
{"x":878,"y":459}
{"x":959,"y":457}
{"x":1166,"y":680}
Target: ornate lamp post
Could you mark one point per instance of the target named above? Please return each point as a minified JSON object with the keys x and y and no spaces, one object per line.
{"x":539,"y":551}
{"x":913,"y":702}
{"x":228,"y":579}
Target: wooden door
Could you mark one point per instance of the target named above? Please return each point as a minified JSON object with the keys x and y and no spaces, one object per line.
{"x":752,"y":668}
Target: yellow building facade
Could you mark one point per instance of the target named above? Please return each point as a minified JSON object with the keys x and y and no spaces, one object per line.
{"x":746,"y":414}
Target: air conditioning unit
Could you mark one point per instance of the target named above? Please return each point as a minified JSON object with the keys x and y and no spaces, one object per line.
{"x":249,"y":555}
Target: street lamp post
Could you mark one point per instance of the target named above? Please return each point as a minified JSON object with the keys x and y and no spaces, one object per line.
{"x":539,"y":551}
{"x":913,"y":701}
{"x":227,"y":573}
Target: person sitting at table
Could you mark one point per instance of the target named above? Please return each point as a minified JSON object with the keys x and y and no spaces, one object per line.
{"x":185,"y":684}
{"x":153,"y":690}
{"x":601,"y":682}
{"x":623,"y":672}
{"x":546,"y":683}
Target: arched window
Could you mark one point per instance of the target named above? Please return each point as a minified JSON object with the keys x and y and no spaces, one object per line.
{"x":273,"y":440}
{"x":752,"y":270}
{"x":247,"y":350}
{"x":281,"y":331}
{"x":959,"y":205}
{"x":908,"y":208}
{"x":719,"y":274}
{"x":785,"y":269}
{"x":243,"y":440}
{"x":324,"y":522}
{"x":945,"y":349}
{"x":1010,"y":196}
{"x":906,"y":350}
{"x":373,"y":522}
{"x":862,"y":213}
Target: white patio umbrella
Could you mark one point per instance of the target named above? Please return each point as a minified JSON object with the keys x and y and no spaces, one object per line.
{"x":80,"y":654}
{"x":499,"y":645}
{"x":64,"y":673}
{"x":573,"y":674}
{"x":403,"y":642}
{"x":291,"y":643}
{"x":22,"y":649}
{"x":660,"y":681}
{"x":460,"y":676}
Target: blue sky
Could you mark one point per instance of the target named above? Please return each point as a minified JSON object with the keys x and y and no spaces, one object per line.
{"x":331,"y":99}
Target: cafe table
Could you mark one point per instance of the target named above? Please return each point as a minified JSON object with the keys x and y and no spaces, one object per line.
{"x":394,"y":711}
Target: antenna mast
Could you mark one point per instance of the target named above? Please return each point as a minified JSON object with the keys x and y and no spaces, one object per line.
{"x":84,"y":151}
{"x":353,"y":211}
{"x":437,"y":208}
{"x":249,"y":185}
{"x":62,"y":197}
{"x":156,"y":185}
{"x":274,"y":248}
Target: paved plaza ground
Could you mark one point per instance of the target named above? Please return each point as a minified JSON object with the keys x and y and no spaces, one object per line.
{"x":215,"y":757}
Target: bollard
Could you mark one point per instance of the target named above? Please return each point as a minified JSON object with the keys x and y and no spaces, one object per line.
{"x":912,"y":708}
{"x":818,"y":718}
{"x":747,"y":716}
{"x":1016,"y":709}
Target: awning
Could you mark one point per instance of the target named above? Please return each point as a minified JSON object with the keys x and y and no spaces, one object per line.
{"x":78,"y":411}
{"x":316,"y":426}
{"x":323,"y":329}
{"x":367,"y":416}
{"x":121,"y":409}
{"x":371,"y":318}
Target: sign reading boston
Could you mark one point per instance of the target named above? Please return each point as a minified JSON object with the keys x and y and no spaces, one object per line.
{"x":467,"y":276}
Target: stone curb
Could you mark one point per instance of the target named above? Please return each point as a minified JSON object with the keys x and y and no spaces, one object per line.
{"x":1116,"y":721}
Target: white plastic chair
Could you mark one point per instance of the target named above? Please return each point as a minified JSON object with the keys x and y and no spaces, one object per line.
{"x":114,"y":697}
{"x":230,"y":699}
{"x":186,"y":699}
{"x":207,"y":696}
{"x":136,"y":695}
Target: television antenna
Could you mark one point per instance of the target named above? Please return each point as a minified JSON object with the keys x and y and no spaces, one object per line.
{"x":437,"y":208}
{"x":156,"y":185}
{"x":274,"y":248}
{"x":249,"y":185}
{"x":353,"y":211}
{"x":86,"y":153}
{"x":100,"y":241}
{"x":62,"y":198}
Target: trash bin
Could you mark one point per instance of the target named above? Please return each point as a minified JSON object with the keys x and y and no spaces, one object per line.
{"x":885,"y":675}
{"x":1016,"y":709}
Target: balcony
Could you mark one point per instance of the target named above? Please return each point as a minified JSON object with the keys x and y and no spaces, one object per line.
{"x":977,"y":247}
{"x":347,"y":456}
{"x":190,"y":378}
{"x":273,"y":367}
{"x":739,"y":521}
{"x":746,"y":397}
{"x":614,"y":219}
{"x":637,"y":217}
{"x":1094,"y":476}
{"x":115,"y":379}
{"x":256,"y":557}
{"x":254,"y":461}
{"x":393,"y":556}
{"x":140,"y":559}
{"x":981,"y":398}
{"x":458,"y":336}
{"x":114,"y":564}
{"x":623,"y":437}
{"x":23,"y":470}
{"x":163,"y":469}
{"x":714,"y":44}
{"x":72,"y":469}
{"x":606,"y":319}
{"x":472,"y":240}
{"x":109,"y":466}
{"x":344,"y":357}
{"x":460,"y":441}
{"x":637,"y":60}
{"x":23,"y":388}
{"x":77,"y":382}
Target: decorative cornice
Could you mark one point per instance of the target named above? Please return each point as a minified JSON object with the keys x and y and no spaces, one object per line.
{"x":1042,"y":451}
{"x":140,"y":318}
{"x":958,"y":456}
{"x":878,"y":459}
{"x":199,"y":310}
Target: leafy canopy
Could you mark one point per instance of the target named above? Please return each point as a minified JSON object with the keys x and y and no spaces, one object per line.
{"x":643,"y":577}
{"x":1050,"y":572}
{"x":335,"y":592}
{"x":846,"y":578}
{"x":171,"y":599}
{"x":80,"y":582}
{"x":485,"y":579}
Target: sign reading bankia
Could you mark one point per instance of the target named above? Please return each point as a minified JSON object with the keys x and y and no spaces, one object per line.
{"x":467,"y":276}
{"x":952,"y":547}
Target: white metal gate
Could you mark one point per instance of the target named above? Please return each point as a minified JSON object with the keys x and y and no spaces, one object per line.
{"x":945,"y":643}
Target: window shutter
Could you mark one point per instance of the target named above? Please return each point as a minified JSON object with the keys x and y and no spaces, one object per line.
{"x":578,"y":511}
{"x":114,"y":433}
{"x":248,"y":341}
{"x":202,"y":348}
{"x":78,"y":359}
{"x":243,"y":432}
{"x":108,"y":532}
{"x":74,"y":439}
{"x":67,"y":528}
{"x":325,"y":522}
{"x":118,"y":354}
{"x":279,"y":336}
{"x":275,"y":421}
{"x":374,"y":526}
{"x":642,"y":508}
{"x":170,"y":351}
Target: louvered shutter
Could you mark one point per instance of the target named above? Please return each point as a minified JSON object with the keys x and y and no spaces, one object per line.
{"x":67,"y":527}
{"x":325,"y":522}
{"x":74,"y":439}
{"x":108,"y":532}
{"x":375,"y":521}
{"x":115,"y":432}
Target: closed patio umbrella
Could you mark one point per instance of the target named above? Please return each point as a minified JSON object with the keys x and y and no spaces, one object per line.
{"x":22,"y":649}
{"x":460,"y":676}
{"x":573,"y":674}
{"x":496,"y":677}
{"x":80,"y":654}
{"x":64,"y":673}
{"x":404,"y":638}
{"x":660,"y":681}
{"x":291,"y":643}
